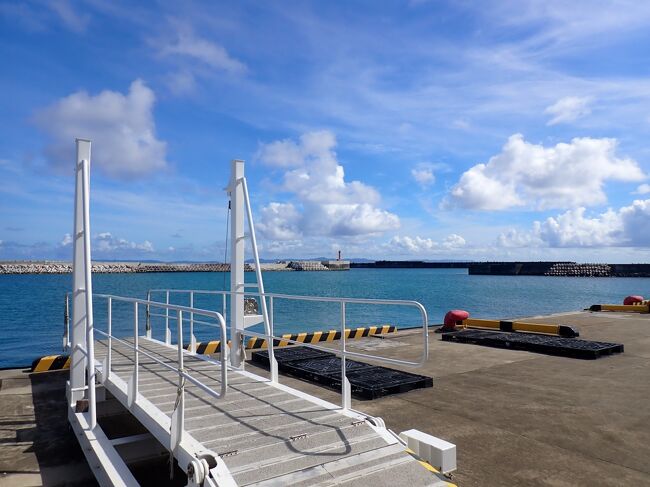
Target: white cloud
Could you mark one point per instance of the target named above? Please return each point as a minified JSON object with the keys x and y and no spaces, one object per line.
{"x":106,"y":243}
{"x":627,"y":227}
{"x":279,"y":221}
{"x":562,"y":176}
{"x":69,"y":15}
{"x":181,"y":82}
{"x":283,"y":153}
{"x":643,"y":189}
{"x":121,"y":128}
{"x":423,"y":174}
{"x":419,"y":245}
{"x":568,"y":109}
{"x":66,"y":240}
{"x":186,"y":43}
{"x":325,"y":204}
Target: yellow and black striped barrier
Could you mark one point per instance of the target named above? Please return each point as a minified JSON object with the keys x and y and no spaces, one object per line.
{"x":51,"y":362}
{"x":643,"y":307}
{"x":206,"y":348}
{"x":564,"y":331}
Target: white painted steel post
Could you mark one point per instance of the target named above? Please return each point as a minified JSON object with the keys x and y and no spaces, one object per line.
{"x":79,"y":311}
{"x":346,"y":399}
{"x":90,"y":338}
{"x":236,"y":190}
{"x":109,"y":353}
{"x":148,"y":316}
{"x":256,"y":257}
{"x":168,"y":335}
{"x":66,"y":323}
{"x":136,"y":355}
{"x":224,"y":310}
{"x":273,"y":363}
{"x":178,"y":414}
{"x":192,"y":337}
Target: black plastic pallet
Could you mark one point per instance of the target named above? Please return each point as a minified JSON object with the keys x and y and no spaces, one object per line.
{"x":550,"y":345}
{"x":288,"y":354}
{"x":366,"y":381}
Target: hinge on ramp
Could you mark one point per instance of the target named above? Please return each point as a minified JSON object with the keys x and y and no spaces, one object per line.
{"x":200,"y":471}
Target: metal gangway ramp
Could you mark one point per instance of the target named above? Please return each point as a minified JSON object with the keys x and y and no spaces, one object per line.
{"x":222,"y":424}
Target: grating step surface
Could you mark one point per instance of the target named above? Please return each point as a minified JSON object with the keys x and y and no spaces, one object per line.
{"x":550,"y":345}
{"x":264,"y":432}
{"x":327,"y":473}
{"x":259,"y":465}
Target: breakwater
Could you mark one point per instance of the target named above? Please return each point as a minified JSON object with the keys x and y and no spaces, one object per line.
{"x":560,"y":269}
{"x":542,"y":268}
{"x":409,"y":264}
{"x":41,"y":267}
{"x":110,"y":267}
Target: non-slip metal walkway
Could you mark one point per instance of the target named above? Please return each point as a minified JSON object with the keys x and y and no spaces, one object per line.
{"x":261,"y":433}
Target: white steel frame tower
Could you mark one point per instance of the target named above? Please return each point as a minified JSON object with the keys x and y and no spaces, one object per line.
{"x":240,"y":204}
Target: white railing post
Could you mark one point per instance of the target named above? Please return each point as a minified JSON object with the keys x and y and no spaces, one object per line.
{"x":66,"y":323}
{"x":168,"y":335}
{"x":148,"y":316}
{"x":273,"y":364}
{"x":133,"y":384}
{"x":109,"y":353}
{"x":192,"y":337}
{"x":223,"y":306}
{"x":178,"y":415}
{"x":346,"y":399}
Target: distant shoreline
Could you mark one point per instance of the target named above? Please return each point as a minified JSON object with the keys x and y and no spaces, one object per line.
{"x":560,"y":269}
{"x":51,"y":267}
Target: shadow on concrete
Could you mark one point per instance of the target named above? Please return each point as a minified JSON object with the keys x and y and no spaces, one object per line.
{"x":58,"y":455}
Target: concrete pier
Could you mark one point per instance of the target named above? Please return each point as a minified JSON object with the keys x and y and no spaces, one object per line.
{"x":517,"y":418}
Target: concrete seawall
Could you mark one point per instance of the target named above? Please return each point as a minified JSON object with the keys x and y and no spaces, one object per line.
{"x":110,"y":267}
{"x":139,"y":267}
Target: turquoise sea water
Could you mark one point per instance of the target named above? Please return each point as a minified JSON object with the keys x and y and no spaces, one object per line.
{"x":32,"y":306}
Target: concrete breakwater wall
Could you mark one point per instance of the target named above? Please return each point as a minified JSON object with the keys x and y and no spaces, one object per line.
{"x":138,"y":267}
{"x":109,"y":267}
{"x":560,"y":269}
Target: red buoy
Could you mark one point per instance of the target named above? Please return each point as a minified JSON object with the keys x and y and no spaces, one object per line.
{"x":453,"y":318}
{"x":633,"y":300}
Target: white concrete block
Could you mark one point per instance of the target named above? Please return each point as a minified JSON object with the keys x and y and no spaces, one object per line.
{"x":439,"y":453}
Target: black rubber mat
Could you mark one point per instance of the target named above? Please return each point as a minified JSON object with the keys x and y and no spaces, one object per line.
{"x":366,"y":381}
{"x":550,"y":345}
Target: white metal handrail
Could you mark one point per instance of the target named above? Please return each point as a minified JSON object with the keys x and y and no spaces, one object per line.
{"x":178,"y":415}
{"x":341,"y":351}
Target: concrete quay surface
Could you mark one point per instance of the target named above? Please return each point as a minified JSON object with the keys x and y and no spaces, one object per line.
{"x":521,"y":418}
{"x":517,"y":418}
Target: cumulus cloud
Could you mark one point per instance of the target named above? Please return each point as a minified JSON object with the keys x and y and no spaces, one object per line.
{"x":643,"y":189}
{"x":120,"y":126}
{"x":323,"y":202}
{"x":627,"y":227}
{"x":106,"y":243}
{"x":562,"y":176}
{"x":423,"y":174}
{"x":568,"y":109}
{"x":279,"y":221}
{"x":186,"y":43}
{"x":419,"y":245}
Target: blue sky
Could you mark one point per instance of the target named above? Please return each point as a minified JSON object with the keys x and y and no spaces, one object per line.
{"x":407,"y":130}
